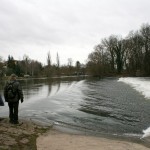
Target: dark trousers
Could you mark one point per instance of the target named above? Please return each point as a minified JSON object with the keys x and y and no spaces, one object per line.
{"x":13,"y":111}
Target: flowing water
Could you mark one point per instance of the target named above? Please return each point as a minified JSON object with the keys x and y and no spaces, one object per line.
{"x":107,"y":106}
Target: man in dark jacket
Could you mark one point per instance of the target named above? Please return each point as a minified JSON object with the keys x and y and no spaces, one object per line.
{"x":1,"y":101}
{"x":12,"y":94}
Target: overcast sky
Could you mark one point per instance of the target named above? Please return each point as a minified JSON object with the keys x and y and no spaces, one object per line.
{"x":70,"y":27}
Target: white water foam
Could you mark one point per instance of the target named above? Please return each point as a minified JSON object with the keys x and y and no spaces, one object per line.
{"x":146,"y":133}
{"x":142,"y":85}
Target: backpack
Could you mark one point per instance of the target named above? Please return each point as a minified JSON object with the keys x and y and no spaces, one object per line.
{"x":11,"y":93}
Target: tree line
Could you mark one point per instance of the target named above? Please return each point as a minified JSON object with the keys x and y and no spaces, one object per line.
{"x":113,"y":56}
{"x":28,"y":67}
{"x":116,"y":55}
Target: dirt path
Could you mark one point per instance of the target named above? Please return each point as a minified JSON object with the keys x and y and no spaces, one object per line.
{"x":55,"y":140}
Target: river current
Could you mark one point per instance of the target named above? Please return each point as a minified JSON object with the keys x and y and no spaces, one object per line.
{"x":98,"y":106}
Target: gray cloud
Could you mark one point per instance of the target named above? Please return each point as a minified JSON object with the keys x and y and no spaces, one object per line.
{"x":67,"y":27}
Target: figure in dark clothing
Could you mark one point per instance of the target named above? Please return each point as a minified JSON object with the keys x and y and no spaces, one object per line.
{"x":12,"y":94}
{"x":1,"y":101}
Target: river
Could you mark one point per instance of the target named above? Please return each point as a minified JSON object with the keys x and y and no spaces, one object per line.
{"x":114,"y":106}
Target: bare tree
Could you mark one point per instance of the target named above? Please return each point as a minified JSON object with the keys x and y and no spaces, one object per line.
{"x":96,"y":61}
{"x":114,"y":45}
{"x":119,"y":55}
{"x":27,"y":62}
{"x":70,"y":61}
{"x":57,"y":61}
{"x":1,"y":67}
{"x":133,"y":56}
{"x":78,"y":66}
{"x":57,"y":65}
{"x":109,"y":44}
{"x":36,"y":68}
{"x":49,"y":70}
{"x":49,"y":63}
{"x":145,"y":32}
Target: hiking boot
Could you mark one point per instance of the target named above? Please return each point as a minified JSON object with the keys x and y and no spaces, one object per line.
{"x":11,"y":121}
{"x":15,"y":122}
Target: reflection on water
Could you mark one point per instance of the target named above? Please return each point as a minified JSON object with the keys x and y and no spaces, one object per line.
{"x":89,"y":105}
{"x":43,"y":87}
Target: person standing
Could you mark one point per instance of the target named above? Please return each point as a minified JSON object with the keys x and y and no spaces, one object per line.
{"x":1,"y":101}
{"x":12,"y":94}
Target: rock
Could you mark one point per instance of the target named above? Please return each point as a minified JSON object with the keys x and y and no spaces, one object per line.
{"x":24,"y":141}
